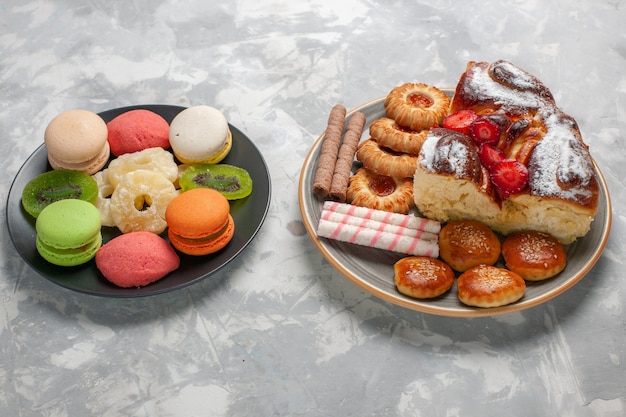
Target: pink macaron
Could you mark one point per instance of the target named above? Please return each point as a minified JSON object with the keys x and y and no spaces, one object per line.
{"x":136,"y":259}
{"x":136,"y":130}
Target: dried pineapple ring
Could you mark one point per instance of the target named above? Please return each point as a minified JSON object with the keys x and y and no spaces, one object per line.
{"x":103,"y":201}
{"x":181,"y":171}
{"x":139,"y":201}
{"x":151,"y":159}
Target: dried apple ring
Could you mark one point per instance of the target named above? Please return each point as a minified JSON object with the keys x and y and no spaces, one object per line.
{"x":417,"y":106}
{"x":139,"y":201}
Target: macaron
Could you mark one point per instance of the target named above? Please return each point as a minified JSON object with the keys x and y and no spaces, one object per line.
{"x":77,"y":140}
{"x":68,"y":232}
{"x":200,"y":134}
{"x":199,"y":222}
{"x":136,"y":130}
{"x":136,"y":259}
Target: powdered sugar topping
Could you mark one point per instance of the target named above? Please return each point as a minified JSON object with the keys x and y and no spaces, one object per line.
{"x":482,"y":88}
{"x":560,"y":165}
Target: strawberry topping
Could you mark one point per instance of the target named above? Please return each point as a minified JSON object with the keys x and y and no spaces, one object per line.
{"x":489,"y":155}
{"x":460,"y":121}
{"x":509,"y":177}
{"x":485,"y":130}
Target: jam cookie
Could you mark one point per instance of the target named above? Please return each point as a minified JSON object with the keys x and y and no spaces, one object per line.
{"x":385,"y":161}
{"x":381,"y":192}
{"x":417,"y":106}
{"x":391,"y":135}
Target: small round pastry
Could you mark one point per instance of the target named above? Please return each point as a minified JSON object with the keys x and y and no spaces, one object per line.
{"x":77,"y":140}
{"x":136,"y":130}
{"x":417,"y":106}
{"x":136,"y":259}
{"x":194,"y":230}
{"x":533,"y":255}
{"x":68,"y":232}
{"x":200,"y":135}
{"x":385,"y":161}
{"x":391,"y":135}
{"x":488,"y":286}
{"x":139,"y":201}
{"x":422,"y":277}
{"x":380,"y":192}
{"x":464,"y":244}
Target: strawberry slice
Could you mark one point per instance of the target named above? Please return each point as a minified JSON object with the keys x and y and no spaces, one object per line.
{"x":489,"y":155}
{"x":485,"y":130}
{"x":509,"y":177}
{"x":460,"y":121}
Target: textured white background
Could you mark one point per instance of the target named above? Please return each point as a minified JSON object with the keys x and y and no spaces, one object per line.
{"x":279,"y":332}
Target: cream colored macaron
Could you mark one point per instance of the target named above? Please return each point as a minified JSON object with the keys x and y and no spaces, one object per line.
{"x":200,"y":134}
{"x":77,"y":140}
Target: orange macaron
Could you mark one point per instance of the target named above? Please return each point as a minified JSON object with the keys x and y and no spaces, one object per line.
{"x":199,"y":222}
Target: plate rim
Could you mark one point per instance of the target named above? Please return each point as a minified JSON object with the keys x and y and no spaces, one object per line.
{"x":145,"y":290}
{"x":415,"y":304}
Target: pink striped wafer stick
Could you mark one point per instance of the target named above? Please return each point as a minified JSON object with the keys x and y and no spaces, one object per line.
{"x":378,"y":226}
{"x":377,"y":239}
{"x":396,"y":219}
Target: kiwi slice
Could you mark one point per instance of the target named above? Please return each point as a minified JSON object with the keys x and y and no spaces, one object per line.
{"x":56,"y":185}
{"x":233,"y":182}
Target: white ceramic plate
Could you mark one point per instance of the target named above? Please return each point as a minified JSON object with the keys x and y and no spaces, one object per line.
{"x":372,"y":269}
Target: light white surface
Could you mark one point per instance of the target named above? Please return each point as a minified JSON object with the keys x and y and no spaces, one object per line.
{"x":279,"y":332}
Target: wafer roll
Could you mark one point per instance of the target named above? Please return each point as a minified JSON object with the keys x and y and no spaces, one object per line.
{"x":396,"y":219}
{"x":343,"y":167}
{"x":375,"y":239}
{"x":330,"y":149}
{"x":378,"y":226}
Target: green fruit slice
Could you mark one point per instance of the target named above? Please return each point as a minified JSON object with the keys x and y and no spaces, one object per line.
{"x":233,"y":182}
{"x":56,"y":185}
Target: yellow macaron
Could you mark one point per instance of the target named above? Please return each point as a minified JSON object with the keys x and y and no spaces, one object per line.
{"x":200,"y":134}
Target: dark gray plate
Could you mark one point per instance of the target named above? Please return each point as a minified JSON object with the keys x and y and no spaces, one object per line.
{"x":248,"y":213}
{"x":372,"y":269}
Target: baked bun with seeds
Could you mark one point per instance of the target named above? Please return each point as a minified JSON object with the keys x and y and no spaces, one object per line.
{"x":488,"y":286}
{"x":533,"y":255}
{"x":422,"y":277}
{"x":464,"y":244}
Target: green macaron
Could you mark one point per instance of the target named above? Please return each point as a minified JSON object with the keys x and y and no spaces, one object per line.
{"x":68,"y":232}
